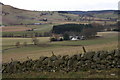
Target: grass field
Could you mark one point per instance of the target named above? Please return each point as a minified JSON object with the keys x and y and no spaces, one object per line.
{"x":105,"y":42}
{"x":37,"y":28}
{"x":82,"y":74}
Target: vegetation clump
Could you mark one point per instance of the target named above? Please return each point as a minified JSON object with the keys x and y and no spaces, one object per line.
{"x":35,"y":41}
{"x":79,"y":30}
{"x":17,"y":44}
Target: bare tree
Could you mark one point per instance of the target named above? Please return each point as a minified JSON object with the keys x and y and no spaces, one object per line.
{"x":35,"y":41}
{"x":17,"y":44}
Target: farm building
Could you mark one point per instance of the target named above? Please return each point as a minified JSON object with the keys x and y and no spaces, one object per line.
{"x":58,"y":37}
{"x":37,"y":23}
{"x":74,"y":38}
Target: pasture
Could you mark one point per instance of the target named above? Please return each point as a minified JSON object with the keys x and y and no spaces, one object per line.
{"x":105,"y":42}
{"x":13,"y":29}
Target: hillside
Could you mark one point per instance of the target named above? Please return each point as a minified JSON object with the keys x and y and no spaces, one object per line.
{"x":99,"y":14}
{"x":13,"y":16}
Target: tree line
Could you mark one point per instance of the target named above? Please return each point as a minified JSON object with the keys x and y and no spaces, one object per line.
{"x":25,"y":35}
{"x":60,"y":29}
{"x":87,"y":30}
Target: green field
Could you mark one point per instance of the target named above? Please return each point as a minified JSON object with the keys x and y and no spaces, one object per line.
{"x":37,"y":28}
{"x":46,"y":47}
{"x":82,"y":74}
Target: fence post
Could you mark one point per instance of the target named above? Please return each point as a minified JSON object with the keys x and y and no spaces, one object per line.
{"x":84,"y":49}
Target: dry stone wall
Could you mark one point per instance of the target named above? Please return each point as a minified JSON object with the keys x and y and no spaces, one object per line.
{"x":100,"y":60}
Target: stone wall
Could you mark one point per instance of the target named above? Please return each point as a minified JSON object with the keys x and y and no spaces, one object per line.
{"x":100,"y":60}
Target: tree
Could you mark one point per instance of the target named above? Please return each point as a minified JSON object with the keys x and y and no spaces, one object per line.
{"x":66,"y":36}
{"x":89,"y":32}
{"x":61,"y":29}
{"x":17,"y":44}
{"x":53,"y":39}
{"x":46,"y":34}
{"x":35,"y":41}
{"x":39,"y":35}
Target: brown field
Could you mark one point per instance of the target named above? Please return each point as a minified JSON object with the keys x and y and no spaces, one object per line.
{"x":108,"y":34}
{"x":12,"y":29}
{"x":69,"y":50}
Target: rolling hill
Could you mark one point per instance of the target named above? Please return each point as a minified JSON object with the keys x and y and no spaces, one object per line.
{"x":13,"y":16}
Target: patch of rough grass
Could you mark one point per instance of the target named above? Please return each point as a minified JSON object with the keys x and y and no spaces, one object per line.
{"x":113,"y":73}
